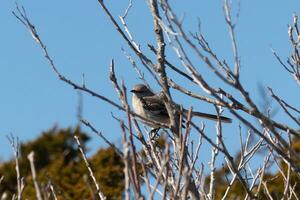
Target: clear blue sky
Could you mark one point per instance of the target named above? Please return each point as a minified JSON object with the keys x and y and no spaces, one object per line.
{"x":81,"y":40}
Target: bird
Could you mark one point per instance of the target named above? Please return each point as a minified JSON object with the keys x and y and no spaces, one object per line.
{"x":151,"y":106}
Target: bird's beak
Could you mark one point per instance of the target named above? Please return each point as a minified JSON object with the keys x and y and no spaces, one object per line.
{"x":133,"y":91}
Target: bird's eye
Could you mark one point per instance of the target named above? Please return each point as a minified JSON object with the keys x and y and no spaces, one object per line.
{"x":138,"y":91}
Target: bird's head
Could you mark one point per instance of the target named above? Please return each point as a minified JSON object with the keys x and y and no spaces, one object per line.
{"x":141,"y":90}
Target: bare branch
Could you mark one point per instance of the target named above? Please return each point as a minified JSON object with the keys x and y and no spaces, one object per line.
{"x":34,"y":176}
{"x":100,"y":134}
{"x":15,"y":145}
{"x":91,"y":173}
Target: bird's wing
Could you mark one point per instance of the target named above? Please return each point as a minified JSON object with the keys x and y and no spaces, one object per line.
{"x":155,"y":105}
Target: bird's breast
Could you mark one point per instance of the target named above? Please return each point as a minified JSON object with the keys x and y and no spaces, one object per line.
{"x":139,"y":109}
{"x":138,"y":106}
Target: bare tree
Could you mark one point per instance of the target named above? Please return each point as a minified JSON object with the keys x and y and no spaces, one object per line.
{"x":173,"y":171}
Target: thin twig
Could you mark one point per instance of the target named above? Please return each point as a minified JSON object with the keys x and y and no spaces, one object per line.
{"x":91,"y":173}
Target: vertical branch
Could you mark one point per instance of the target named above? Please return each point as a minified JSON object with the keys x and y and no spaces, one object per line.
{"x":287,"y":181}
{"x":135,"y":172}
{"x":166,"y":184}
{"x":160,"y":68}
{"x":160,"y":55}
{"x":123,"y":98}
{"x":15,"y":145}
{"x":214,"y":153}
{"x":227,"y":10}
{"x":34,"y":177}
{"x":53,"y":191}
{"x":126,"y":163}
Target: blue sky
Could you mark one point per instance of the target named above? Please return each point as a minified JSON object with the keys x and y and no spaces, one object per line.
{"x":80,"y":39}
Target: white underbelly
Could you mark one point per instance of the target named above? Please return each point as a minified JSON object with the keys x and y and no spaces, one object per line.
{"x":139,"y":109}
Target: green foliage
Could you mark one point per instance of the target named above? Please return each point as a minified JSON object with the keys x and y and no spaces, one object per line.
{"x":109,"y":172}
{"x":58,"y":162}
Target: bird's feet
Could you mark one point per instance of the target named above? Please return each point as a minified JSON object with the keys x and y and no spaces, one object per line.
{"x":154,"y":133}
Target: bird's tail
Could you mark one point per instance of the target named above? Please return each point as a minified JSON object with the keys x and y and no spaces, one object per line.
{"x":212,"y":117}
